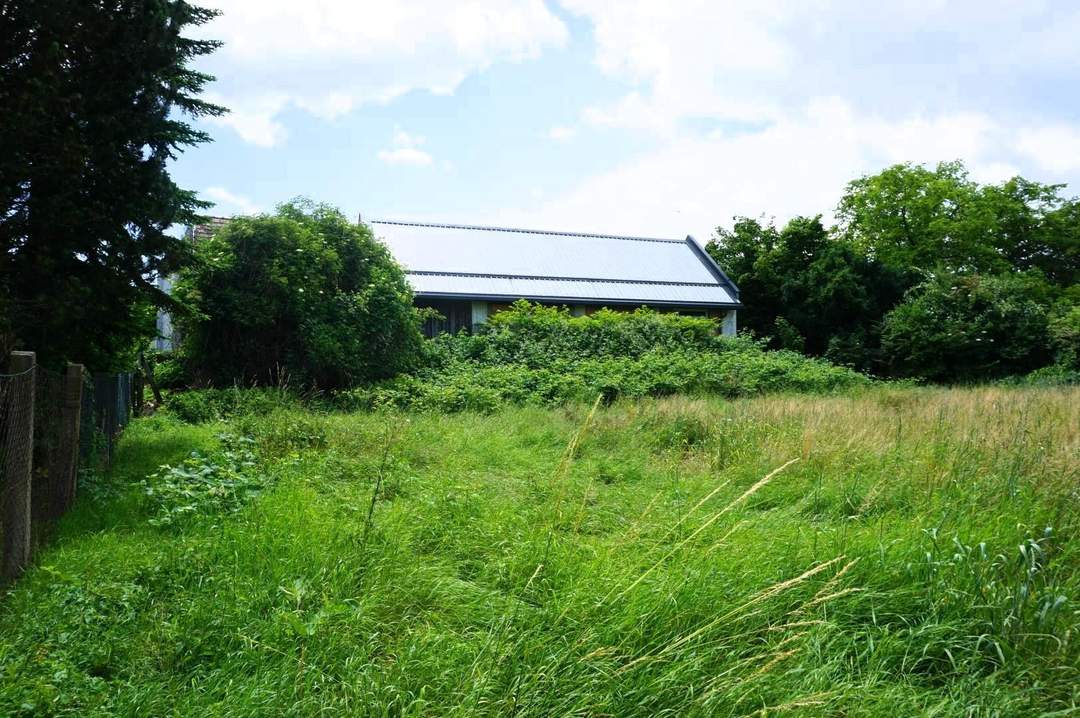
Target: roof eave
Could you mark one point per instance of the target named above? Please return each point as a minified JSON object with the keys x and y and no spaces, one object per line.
{"x":574,"y":300}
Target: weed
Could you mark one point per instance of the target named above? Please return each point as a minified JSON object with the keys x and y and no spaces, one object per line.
{"x":204,"y":485}
{"x":654,"y":556}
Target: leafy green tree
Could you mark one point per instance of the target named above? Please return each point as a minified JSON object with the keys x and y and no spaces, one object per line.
{"x":968,"y":327}
{"x":739,"y":252}
{"x":911,"y":216}
{"x":827,"y":292}
{"x":94,"y":96}
{"x":301,"y":295}
{"x":1064,"y":326}
{"x":808,"y":290}
{"x":1032,"y":227}
{"x":914,"y":217}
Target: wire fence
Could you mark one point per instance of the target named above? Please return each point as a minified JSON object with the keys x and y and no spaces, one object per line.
{"x":52,"y":426}
{"x":17,"y":390}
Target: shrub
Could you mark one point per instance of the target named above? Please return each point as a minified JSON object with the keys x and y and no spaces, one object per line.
{"x":169,"y":370}
{"x":470,"y":385}
{"x":1064,"y":328}
{"x":302,"y":294}
{"x":1053,"y":375}
{"x":532,"y":354}
{"x":965,"y":327}
{"x":536,"y":336}
{"x":199,"y":406}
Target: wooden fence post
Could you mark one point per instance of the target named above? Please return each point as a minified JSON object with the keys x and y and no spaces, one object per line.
{"x":19,"y":453}
{"x":68,"y":461}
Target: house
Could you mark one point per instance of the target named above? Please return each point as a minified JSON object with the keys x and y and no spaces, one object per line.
{"x":468,"y":272}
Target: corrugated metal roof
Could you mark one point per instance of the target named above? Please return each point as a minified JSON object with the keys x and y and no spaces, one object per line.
{"x":498,"y":288}
{"x":492,"y":262}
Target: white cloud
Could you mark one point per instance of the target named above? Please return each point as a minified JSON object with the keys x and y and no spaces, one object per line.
{"x":798,"y":165}
{"x":561,"y":133}
{"x":327,"y":57}
{"x":405,"y":156}
{"x":768,"y":106}
{"x":691,"y":57}
{"x":406,"y":150}
{"x":1055,"y":148}
{"x":253,"y":121}
{"x":229,"y":201}
{"x":754,"y":61}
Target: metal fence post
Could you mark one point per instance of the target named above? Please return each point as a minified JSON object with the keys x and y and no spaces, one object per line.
{"x":19,"y":458}
{"x":68,"y":461}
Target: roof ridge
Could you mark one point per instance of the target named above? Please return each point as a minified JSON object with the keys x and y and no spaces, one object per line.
{"x":540,"y":277}
{"x":442,"y":225}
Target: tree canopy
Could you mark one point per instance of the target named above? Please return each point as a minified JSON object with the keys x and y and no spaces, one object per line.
{"x":302,"y":296}
{"x":909,"y":243}
{"x":94,"y":97}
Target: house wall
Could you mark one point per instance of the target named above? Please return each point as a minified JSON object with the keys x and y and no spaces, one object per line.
{"x":456,"y":315}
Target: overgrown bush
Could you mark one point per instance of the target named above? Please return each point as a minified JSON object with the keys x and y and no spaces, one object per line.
{"x":536,"y":335}
{"x":1053,"y":375}
{"x":302,"y":294}
{"x":968,"y":327}
{"x":199,"y":406}
{"x":1064,"y":327}
{"x":169,"y":370}
{"x":531,"y":354}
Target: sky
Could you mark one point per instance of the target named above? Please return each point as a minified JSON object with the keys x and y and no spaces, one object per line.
{"x":645,"y":117}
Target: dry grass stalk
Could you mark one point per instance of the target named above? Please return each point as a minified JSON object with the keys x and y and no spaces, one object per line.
{"x":745,"y":495}
{"x":758,"y":598}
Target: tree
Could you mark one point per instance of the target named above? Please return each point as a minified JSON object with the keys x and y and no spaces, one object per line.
{"x":908,"y":216}
{"x":94,"y":95}
{"x":809,"y":290}
{"x":1064,"y":327}
{"x":1032,"y":227}
{"x":738,"y":251}
{"x":968,"y":327}
{"x":911,"y":216}
{"x":828,"y":292}
{"x":301,"y":295}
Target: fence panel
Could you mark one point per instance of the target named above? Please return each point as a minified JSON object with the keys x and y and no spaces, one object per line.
{"x":52,"y":425}
{"x":18,"y":447}
{"x":47,"y":473}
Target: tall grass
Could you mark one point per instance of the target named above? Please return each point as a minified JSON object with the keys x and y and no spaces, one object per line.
{"x":900,"y":552}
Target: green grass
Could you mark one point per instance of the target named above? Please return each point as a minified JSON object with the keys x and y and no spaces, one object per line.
{"x":919,"y":557}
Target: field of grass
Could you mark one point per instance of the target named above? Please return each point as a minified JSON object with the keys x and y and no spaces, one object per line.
{"x":891,"y":552}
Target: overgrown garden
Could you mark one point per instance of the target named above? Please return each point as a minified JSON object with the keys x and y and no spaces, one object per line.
{"x":896,"y":552}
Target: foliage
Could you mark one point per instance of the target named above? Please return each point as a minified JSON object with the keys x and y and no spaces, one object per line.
{"x":1053,"y":375}
{"x":1064,"y":328}
{"x":829,"y":292}
{"x":302,"y":295}
{"x":531,"y":354}
{"x":920,"y":556}
{"x":199,"y":406}
{"x":804,"y":289}
{"x":222,"y":482}
{"x":908,"y":215}
{"x":968,"y":327}
{"x":471,"y":385}
{"x":169,"y":370}
{"x":537,"y":335}
{"x":94,"y":97}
